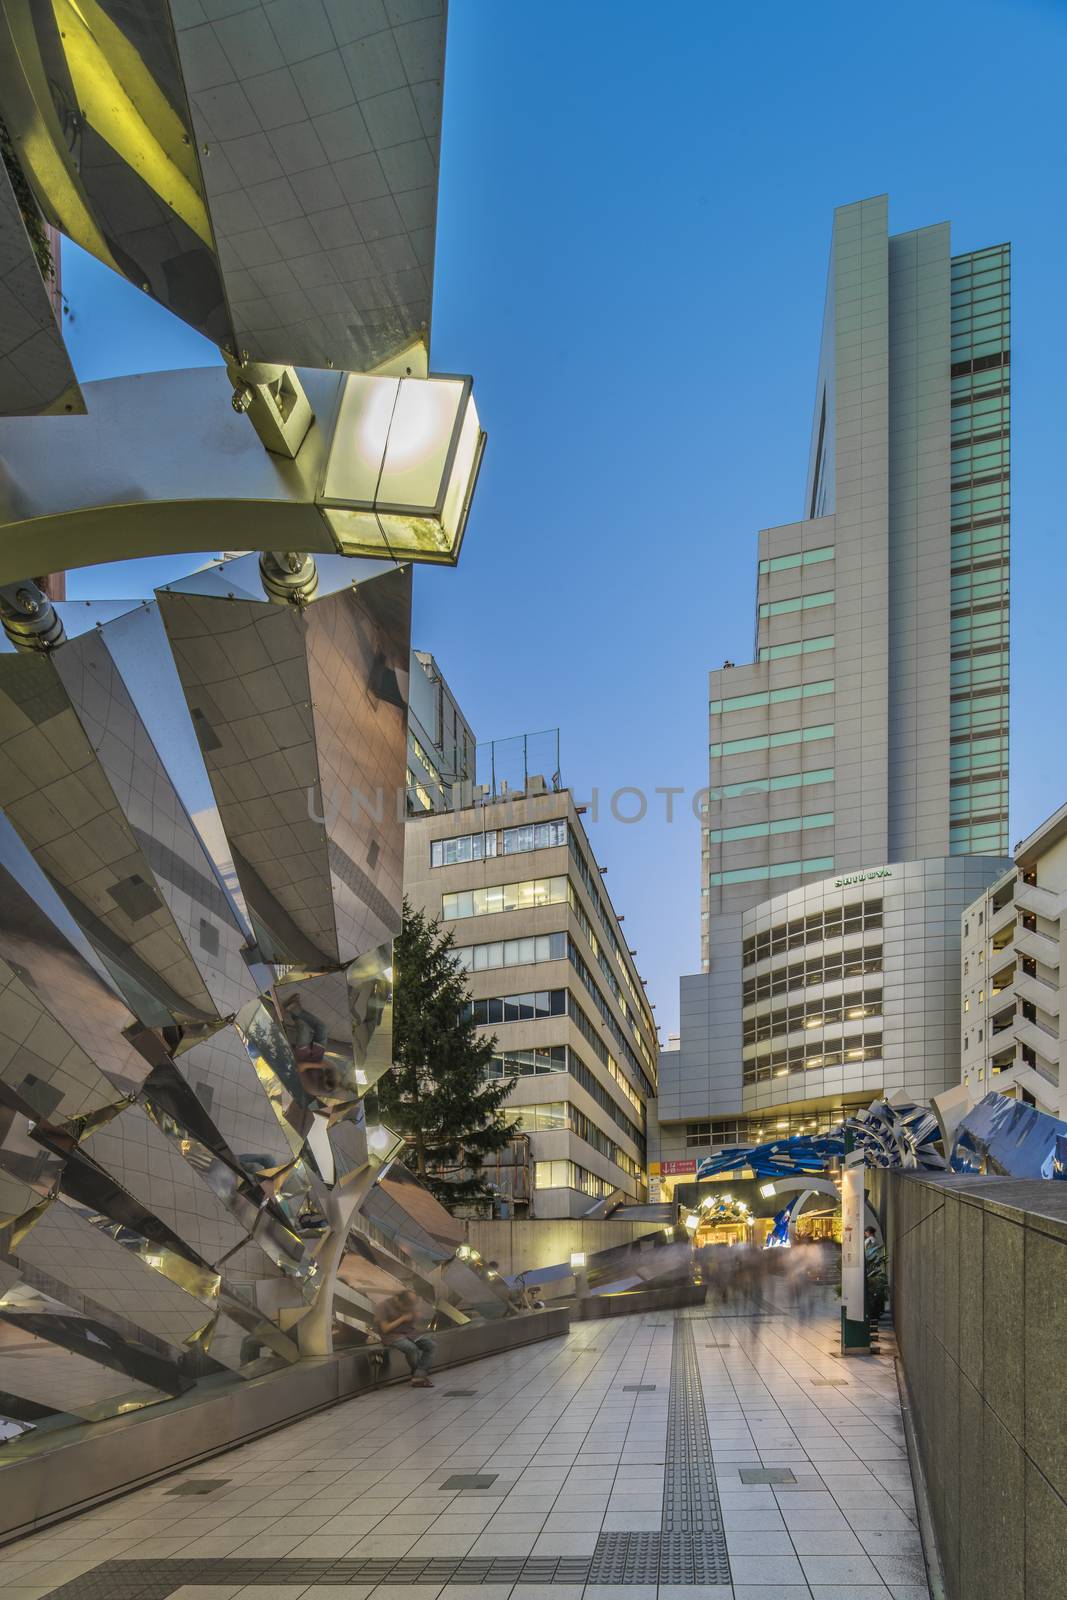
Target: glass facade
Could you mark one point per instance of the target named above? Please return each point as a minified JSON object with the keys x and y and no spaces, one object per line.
{"x":778,"y":869}
{"x":772,"y":741}
{"x":503,"y":897}
{"x":757,"y":830}
{"x":805,"y":558}
{"x":772,"y":697}
{"x":981,"y":422}
{"x":804,"y":602}
{"x":798,"y":647}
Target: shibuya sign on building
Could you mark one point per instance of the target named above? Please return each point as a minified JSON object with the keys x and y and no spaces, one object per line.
{"x":862,"y":877}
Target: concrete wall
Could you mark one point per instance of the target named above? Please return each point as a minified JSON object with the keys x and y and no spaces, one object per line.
{"x":979,"y":1278}
{"x":526,"y":1243}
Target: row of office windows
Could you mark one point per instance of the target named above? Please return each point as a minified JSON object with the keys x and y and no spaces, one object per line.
{"x":827,"y":1013}
{"x":771,"y":697}
{"x":797,"y":647}
{"x":561,"y":1115}
{"x":729,"y":1131}
{"x":853,"y":963}
{"x":772,"y":741}
{"x":511,"y":952}
{"x":976,"y":796}
{"x":757,"y":830}
{"x":587,"y":1028}
{"x":979,"y":669}
{"x":592,"y":889}
{"x":779,"y":869}
{"x":829,"y":924}
{"x":593,"y":989}
{"x":805,"y":602}
{"x":568,"y":1175}
{"x":562,"y":1058}
{"x":531,"y":1007}
{"x":504,"y":897}
{"x":804,"y":558}
{"x":788,"y":780}
{"x":497,"y":841}
{"x":848,"y":1052}
{"x":628,"y":1011}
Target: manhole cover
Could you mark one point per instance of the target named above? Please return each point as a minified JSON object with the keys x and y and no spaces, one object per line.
{"x":470,"y":1480}
{"x":767,"y":1475}
{"x":638,"y":1388}
{"x":199,"y":1486}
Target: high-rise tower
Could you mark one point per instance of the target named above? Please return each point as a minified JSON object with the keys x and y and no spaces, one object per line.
{"x":859,"y":765}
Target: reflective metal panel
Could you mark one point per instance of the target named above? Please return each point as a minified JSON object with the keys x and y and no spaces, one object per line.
{"x":244,"y":671}
{"x":358,"y":651}
{"x":320,"y":127}
{"x":56,"y":794}
{"x":133,"y":1151}
{"x":183,"y":872}
{"x":43,"y":1070}
{"x":93,"y":99}
{"x":84,"y":1259}
{"x":63,"y":1375}
{"x":68,"y":986}
{"x":35,"y":371}
{"x":221,"y":1075}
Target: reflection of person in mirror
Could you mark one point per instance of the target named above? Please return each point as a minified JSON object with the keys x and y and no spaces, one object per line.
{"x":304,"y":1031}
{"x":397,"y":1324}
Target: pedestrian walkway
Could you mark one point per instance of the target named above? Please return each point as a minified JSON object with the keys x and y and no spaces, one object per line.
{"x":573,"y":1469}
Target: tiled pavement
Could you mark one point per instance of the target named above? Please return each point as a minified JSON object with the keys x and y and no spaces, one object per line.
{"x":351,"y":1503}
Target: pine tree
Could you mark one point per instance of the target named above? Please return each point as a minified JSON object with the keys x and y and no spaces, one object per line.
{"x":437,"y":1095}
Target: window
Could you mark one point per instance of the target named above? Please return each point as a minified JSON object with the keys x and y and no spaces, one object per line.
{"x":518,"y":1007}
{"x":799,"y":647}
{"x":511,"y":952}
{"x":466,"y":847}
{"x":568,"y":1175}
{"x":503,"y":897}
{"x":777,"y":608}
{"x":860,"y":917}
{"x":755,"y":830}
{"x":533,"y":836}
{"x":781,"y":869}
{"x":789,"y":780}
{"x":771,"y":697}
{"x":805,"y":558}
{"x":773,"y":1064}
{"x":772,"y":741}
{"x":529,"y":1063}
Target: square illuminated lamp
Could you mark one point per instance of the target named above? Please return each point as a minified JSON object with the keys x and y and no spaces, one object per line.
{"x":402,"y":466}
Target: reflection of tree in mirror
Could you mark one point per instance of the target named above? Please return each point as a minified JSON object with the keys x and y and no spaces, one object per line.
{"x":437,"y":1096}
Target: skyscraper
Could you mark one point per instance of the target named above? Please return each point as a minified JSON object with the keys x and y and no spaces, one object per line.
{"x":859,"y":764}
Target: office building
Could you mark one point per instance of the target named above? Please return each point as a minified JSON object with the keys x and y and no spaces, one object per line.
{"x":516,"y":881}
{"x":1012,"y":976}
{"x":859,"y":763}
{"x":441,"y":743}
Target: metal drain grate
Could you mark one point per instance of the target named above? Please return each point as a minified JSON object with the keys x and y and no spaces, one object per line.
{"x":830,"y":1383}
{"x":458,"y":1394}
{"x":638,"y":1388}
{"x":470,"y":1480}
{"x":767,"y":1475}
{"x":691,"y":1546}
{"x":159,"y":1579}
{"x":199,"y":1486}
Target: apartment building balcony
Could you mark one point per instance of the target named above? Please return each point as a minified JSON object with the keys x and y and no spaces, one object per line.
{"x":999,"y":917}
{"x":1045,"y":996}
{"x":1031,"y":897}
{"x":1039,"y":946}
{"x":1041,"y":1040}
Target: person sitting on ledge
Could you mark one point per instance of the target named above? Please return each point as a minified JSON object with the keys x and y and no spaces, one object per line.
{"x":397,"y":1325}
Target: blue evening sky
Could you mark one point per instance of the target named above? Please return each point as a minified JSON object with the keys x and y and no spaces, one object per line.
{"x":635,"y":211}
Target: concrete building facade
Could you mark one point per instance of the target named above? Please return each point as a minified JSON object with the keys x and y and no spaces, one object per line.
{"x":863,"y":752}
{"x":441,"y":743}
{"x":551,"y":977}
{"x":1013,"y":976}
